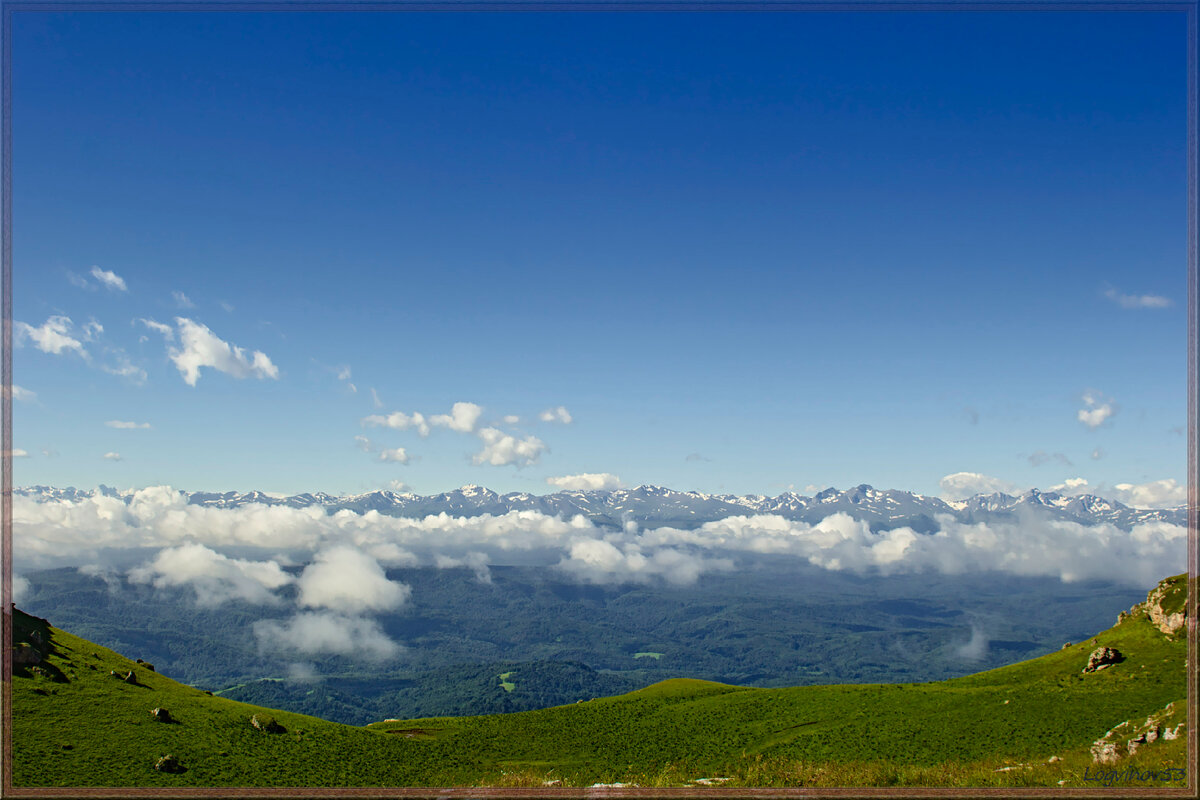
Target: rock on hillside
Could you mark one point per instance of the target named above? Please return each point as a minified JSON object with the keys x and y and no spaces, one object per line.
{"x":1165,"y":606}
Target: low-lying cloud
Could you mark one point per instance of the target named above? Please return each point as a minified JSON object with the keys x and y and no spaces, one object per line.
{"x":345,"y":550}
{"x":313,"y":633}
{"x":349,"y":581}
{"x":215,"y":578}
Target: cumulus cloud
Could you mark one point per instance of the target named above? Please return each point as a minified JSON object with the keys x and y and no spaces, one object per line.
{"x":1137,"y":300}
{"x":501,"y":449}
{"x":400,"y":421}
{"x":586,"y":481}
{"x":17,"y":452}
{"x":512,"y":419}
{"x":1096,"y":410}
{"x":53,"y":336}
{"x":312,"y":633}
{"x":395,"y":454}
{"x":364,"y":444}
{"x":119,"y":425}
{"x":462,"y":417}
{"x":559,"y":414}
{"x":214,"y":578}
{"x":961,"y":485}
{"x":1071,"y":486}
{"x":347,"y":580}
{"x":182,"y":300}
{"x":200,"y":347}
{"x":109,"y":279}
{"x":111,"y":456}
{"x":22,"y":394}
{"x":20,"y":588}
{"x":1165,"y":493}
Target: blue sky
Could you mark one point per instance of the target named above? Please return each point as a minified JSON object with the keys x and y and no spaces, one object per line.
{"x":744,"y":252}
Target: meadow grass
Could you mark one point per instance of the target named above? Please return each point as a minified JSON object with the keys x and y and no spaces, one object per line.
{"x":76,"y":724}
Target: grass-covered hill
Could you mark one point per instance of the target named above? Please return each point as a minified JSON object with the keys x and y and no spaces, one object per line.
{"x":78,"y":722}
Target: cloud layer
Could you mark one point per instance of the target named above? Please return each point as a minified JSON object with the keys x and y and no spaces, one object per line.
{"x":346,"y":576}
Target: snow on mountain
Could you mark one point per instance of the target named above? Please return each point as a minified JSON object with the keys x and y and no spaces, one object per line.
{"x":656,"y":506}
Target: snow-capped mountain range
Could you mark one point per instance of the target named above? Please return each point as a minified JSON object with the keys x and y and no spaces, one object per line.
{"x":654,"y":506}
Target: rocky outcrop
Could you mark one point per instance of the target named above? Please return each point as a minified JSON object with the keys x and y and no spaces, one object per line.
{"x":1103,"y":658}
{"x":25,"y":655}
{"x":168,"y":763}
{"x":1165,"y":606}
{"x":1126,"y":738}
{"x":267,"y":724}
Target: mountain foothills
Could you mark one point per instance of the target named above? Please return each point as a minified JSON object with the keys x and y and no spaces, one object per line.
{"x":654,"y":505}
{"x":1107,"y":710}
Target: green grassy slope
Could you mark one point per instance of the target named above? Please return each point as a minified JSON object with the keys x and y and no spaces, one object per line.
{"x":74,"y":724}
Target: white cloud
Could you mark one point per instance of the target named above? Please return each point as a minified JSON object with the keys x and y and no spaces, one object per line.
{"x":1137,"y":300}
{"x":399,"y":486}
{"x":1096,"y":411}
{"x":227,"y":306}
{"x":396,"y":454}
{"x":559,"y":414}
{"x":109,"y":279}
{"x":587,"y":481}
{"x":462,"y":417}
{"x":1166,"y":493}
{"x":1071,"y":486}
{"x":476,"y":562}
{"x":313,"y":633}
{"x":364,"y":444}
{"x":1098,"y":454}
{"x":182,"y":300}
{"x":378,"y":403}
{"x":78,"y":280}
{"x":347,"y":580}
{"x":512,"y":419}
{"x":343,"y":373}
{"x":200,"y":347}
{"x":53,"y":336}
{"x":215,"y":578}
{"x":599,"y":561}
{"x":961,"y":485}
{"x":118,"y":424}
{"x":112,"y":456}
{"x":346,"y":577}
{"x":22,"y":394}
{"x":126,"y":369}
{"x":167,"y":331}
{"x":91,"y":330}
{"x":400,"y":421}
{"x":500,"y":449}
{"x":20,"y":588}
{"x":19,"y":453}
{"x":976,"y":648}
